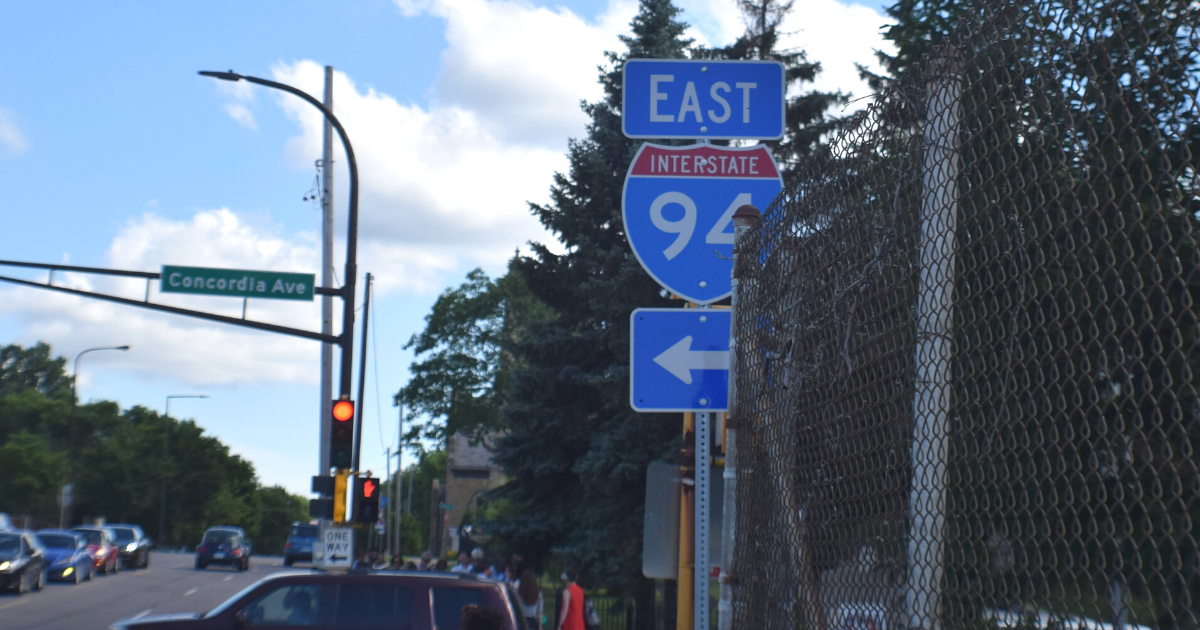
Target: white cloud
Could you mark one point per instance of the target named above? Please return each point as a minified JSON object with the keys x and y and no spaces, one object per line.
{"x":11,"y":138}
{"x":241,"y":114}
{"x":437,"y":182}
{"x":838,"y":36}
{"x":183,"y":348}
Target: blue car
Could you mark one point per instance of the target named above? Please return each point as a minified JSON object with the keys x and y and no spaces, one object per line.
{"x":67,"y":556}
{"x":300,"y":543}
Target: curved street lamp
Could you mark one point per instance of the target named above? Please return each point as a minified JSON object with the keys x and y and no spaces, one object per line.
{"x":347,"y":291}
{"x":64,"y":516}
{"x":162,"y":502}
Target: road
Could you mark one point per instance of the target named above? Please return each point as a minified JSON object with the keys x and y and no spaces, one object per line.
{"x":170,"y":584}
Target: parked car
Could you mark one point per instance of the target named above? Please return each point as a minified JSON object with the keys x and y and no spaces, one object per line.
{"x":133,"y":545}
{"x":224,"y":544}
{"x":67,"y":556}
{"x":22,"y":562}
{"x":102,"y":544}
{"x":300,"y":543}
{"x":415,"y":600}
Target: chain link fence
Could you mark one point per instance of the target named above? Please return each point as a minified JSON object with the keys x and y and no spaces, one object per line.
{"x":967,"y":339}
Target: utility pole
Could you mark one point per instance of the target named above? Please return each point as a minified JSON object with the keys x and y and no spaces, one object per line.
{"x":399,"y":483}
{"x":362,"y":370}
{"x":326,"y":276}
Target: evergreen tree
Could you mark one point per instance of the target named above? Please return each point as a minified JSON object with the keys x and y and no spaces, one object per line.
{"x":577,"y":453}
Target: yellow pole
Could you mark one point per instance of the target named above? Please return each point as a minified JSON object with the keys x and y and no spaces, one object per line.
{"x":685,"y":611}
{"x":339,"y":496}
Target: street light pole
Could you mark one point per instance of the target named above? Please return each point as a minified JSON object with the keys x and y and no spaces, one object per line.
{"x":346,"y":339}
{"x":64,"y":516}
{"x":162,"y":503}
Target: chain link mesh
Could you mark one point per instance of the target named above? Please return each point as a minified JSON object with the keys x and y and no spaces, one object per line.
{"x":967,"y":338}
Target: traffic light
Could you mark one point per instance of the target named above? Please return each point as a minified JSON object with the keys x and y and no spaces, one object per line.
{"x":366,"y":500}
{"x":341,"y":434}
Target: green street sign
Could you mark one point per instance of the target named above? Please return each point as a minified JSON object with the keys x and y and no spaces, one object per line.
{"x":445,"y":506}
{"x":238,"y":283}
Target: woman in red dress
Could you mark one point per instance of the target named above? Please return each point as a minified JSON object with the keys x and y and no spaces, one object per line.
{"x":571,"y":617}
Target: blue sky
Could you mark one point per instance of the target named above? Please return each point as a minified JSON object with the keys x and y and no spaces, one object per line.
{"x":113,"y":152}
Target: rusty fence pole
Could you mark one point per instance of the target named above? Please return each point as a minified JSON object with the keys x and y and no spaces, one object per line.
{"x":744,"y":218}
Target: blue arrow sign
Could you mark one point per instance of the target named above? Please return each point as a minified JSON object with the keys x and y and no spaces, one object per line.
{"x":679,"y":359}
{"x":676,"y":98}
{"x":678,"y":209}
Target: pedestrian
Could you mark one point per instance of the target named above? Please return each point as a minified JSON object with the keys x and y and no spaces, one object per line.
{"x":464,"y":564}
{"x":440,"y":566}
{"x":510,"y":574}
{"x":360,"y":560}
{"x":409,"y":566}
{"x":396,"y":562}
{"x":481,"y":618}
{"x":531,"y":599}
{"x":572,"y":605}
{"x":426,"y":563}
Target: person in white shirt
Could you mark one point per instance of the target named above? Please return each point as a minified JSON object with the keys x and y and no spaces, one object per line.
{"x":464,"y":564}
{"x":531,"y":599}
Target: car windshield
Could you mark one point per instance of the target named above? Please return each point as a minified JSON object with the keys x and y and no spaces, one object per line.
{"x":304,"y":531}
{"x":10,"y":543}
{"x":93,"y":536}
{"x":124,"y":534}
{"x":57,"y":541}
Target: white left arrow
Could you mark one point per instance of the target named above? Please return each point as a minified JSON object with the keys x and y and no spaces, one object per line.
{"x":680,"y":360}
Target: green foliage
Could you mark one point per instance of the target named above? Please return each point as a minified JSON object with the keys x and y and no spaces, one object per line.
{"x":32,"y":369}
{"x":412,"y":543}
{"x":32,"y":475}
{"x":124,"y":460}
{"x":430,"y":465}
{"x":464,"y":369}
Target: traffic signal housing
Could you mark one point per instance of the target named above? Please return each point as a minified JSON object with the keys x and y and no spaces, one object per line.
{"x":366,"y":500}
{"x":341,"y":434}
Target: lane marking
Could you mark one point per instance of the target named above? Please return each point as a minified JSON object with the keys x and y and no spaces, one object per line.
{"x":191,"y":591}
{"x":142,"y":614}
{"x":19,"y":601}
{"x":227,"y":579}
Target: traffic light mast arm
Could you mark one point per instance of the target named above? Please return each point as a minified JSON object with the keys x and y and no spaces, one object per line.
{"x":246,"y":323}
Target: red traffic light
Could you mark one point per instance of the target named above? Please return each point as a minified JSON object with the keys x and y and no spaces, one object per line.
{"x":343,"y":410}
{"x":368,"y":488}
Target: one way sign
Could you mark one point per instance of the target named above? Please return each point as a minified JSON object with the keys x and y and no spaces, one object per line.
{"x":679,"y":359}
{"x":336,"y":548}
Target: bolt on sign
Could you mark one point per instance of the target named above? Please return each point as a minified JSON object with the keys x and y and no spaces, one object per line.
{"x":240,"y":283}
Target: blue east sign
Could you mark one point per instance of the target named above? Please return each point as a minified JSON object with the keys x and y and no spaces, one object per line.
{"x":679,"y":359}
{"x":678,"y":207}
{"x":723,"y":100}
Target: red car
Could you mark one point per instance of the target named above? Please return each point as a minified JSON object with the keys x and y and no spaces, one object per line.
{"x":102,"y":544}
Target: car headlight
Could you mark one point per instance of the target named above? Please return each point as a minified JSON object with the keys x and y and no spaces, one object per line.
{"x":130,"y":546}
{"x":4,"y":566}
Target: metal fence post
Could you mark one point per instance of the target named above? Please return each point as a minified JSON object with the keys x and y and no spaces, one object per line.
{"x":935,"y":314}
{"x":744,"y":218}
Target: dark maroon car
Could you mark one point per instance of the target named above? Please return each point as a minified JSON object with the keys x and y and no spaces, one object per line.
{"x":102,"y":544}
{"x":388,"y":599}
